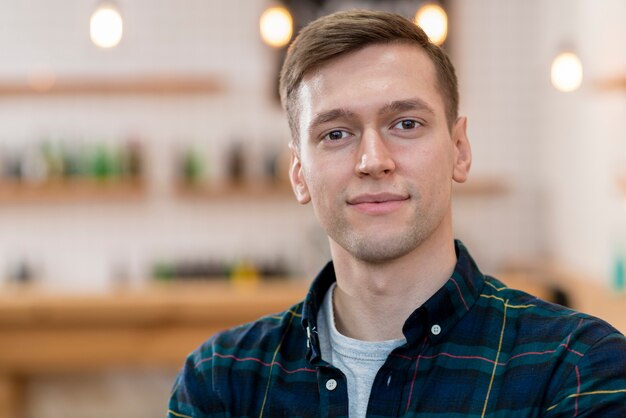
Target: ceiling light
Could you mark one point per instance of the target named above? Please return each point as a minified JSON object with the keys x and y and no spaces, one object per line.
{"x":276,"y":26}
{"x":566,"y":72}
{"x":106,"y":26}
{"x":433,"y":19}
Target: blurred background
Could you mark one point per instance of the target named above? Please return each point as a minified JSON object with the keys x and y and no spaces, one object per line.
{"x":144,"y":202}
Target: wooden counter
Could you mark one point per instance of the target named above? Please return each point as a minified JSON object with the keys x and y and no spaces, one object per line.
{"x":44,"y":333}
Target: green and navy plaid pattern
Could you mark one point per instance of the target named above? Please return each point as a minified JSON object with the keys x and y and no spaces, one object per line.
{"x":475,"y":349}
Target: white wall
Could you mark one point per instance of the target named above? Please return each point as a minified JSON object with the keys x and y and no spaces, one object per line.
{"x":557,"y":152}
{"x":583,"y":144}
{"x":493,"y":46}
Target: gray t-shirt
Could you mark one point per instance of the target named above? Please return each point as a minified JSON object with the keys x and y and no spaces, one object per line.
{"x":358,"y":360}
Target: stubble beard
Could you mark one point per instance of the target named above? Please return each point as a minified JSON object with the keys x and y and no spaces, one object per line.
{"x":377,"y":248}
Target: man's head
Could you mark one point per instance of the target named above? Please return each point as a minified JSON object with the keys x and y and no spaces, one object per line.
{"x":344,"y":32}
{"x":376,"y":149}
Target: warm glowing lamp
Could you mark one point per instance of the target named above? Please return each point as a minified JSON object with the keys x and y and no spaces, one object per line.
{"x":106,"y":26}
{"x":566,"y":72}
{"x":433,"y":19}
{"x":276,"y":26}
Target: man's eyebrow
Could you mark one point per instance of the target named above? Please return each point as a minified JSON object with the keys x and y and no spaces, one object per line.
{"x":330,"y":116}
{"x":395,"y":106}
{"x":403,"y":105}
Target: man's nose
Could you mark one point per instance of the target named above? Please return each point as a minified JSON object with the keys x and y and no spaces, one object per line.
{"x":374,"y":157}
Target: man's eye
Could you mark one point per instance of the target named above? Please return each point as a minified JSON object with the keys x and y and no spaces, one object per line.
{"x":407,"y":124}
{"x":335,"y":135}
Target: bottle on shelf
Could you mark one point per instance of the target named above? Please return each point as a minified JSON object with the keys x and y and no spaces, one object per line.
{"x":33,"y":167}
{"x":241,"y":270}
{"x":192,"y":167}
{"x":132,"y":163}
{"x":52,"y":155}
{"x":21,"y":272}
{"x":236,"y":165}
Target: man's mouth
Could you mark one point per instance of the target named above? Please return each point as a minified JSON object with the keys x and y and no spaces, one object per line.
{"x":377,"y":203}
{"x":376,"y":198}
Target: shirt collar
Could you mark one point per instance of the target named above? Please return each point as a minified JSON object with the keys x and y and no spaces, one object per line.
{"x":312,"y":304}
{"x":434,"y":318}
{"x":439,"y":314}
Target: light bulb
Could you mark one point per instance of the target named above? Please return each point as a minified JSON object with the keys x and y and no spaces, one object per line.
{"x":566,"y":72}
{"x":433,"y":19}
{"x":106,"y":26}
{"x":276,"y":26}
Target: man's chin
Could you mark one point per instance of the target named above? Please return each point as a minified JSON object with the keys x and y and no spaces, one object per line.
{"x":380,"y":249}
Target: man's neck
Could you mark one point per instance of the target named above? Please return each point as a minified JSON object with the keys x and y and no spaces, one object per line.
{"x":372,"y":301}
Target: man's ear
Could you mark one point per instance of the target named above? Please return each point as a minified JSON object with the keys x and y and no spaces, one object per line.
{"x":462,"y":151}
{"x":296,"y":176}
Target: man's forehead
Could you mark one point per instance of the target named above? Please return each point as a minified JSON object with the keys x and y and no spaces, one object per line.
{"x":397,"y":72}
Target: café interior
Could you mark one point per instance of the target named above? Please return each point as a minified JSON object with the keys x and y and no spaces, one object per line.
{"x":145,"y":202}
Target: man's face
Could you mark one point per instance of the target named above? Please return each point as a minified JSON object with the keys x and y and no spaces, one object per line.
{"x":375,"y":156}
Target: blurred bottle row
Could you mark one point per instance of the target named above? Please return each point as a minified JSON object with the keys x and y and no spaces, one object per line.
{"x":53,"y":160}
{"x":29,"y":271}
{"x":209,"y":269}
{"x":237,"y":165}
{"x":195,"y":166}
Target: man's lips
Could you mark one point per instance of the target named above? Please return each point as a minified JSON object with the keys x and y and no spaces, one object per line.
{"x":376,"y":198}
{"x":377,"y":204}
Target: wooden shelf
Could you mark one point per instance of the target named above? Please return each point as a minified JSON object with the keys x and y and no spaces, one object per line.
{"x":112,"y":190}
{"x":480,"y":187}
{"x":70,"y":191}
{"x":234,"y":191}
{"x":153,"y":85}
{"x":613,"y":84}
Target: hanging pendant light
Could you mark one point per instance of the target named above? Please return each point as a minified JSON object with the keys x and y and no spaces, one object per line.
{"x":566,"y":72}
{"x":432,"y":18}
{"x":106,"y":26}
{"x":276,"y":26}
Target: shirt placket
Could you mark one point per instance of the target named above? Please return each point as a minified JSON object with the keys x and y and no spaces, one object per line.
{"x":333,"y":389}
{"x":395,"y":385}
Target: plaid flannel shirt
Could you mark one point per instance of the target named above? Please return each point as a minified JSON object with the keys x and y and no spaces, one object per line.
{"x":475,"y":348}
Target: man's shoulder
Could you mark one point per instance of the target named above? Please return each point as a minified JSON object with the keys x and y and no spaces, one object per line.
{"x":546,"y":320}
{"x":255,"y":341}
{"x":231,"y":369}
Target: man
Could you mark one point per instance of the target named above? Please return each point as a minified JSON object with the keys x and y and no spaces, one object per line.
{"x":402,"y":322}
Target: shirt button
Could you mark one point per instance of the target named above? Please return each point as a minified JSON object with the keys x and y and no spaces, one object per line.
{"x":435,"y":329}
{"x":331,"y":384}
